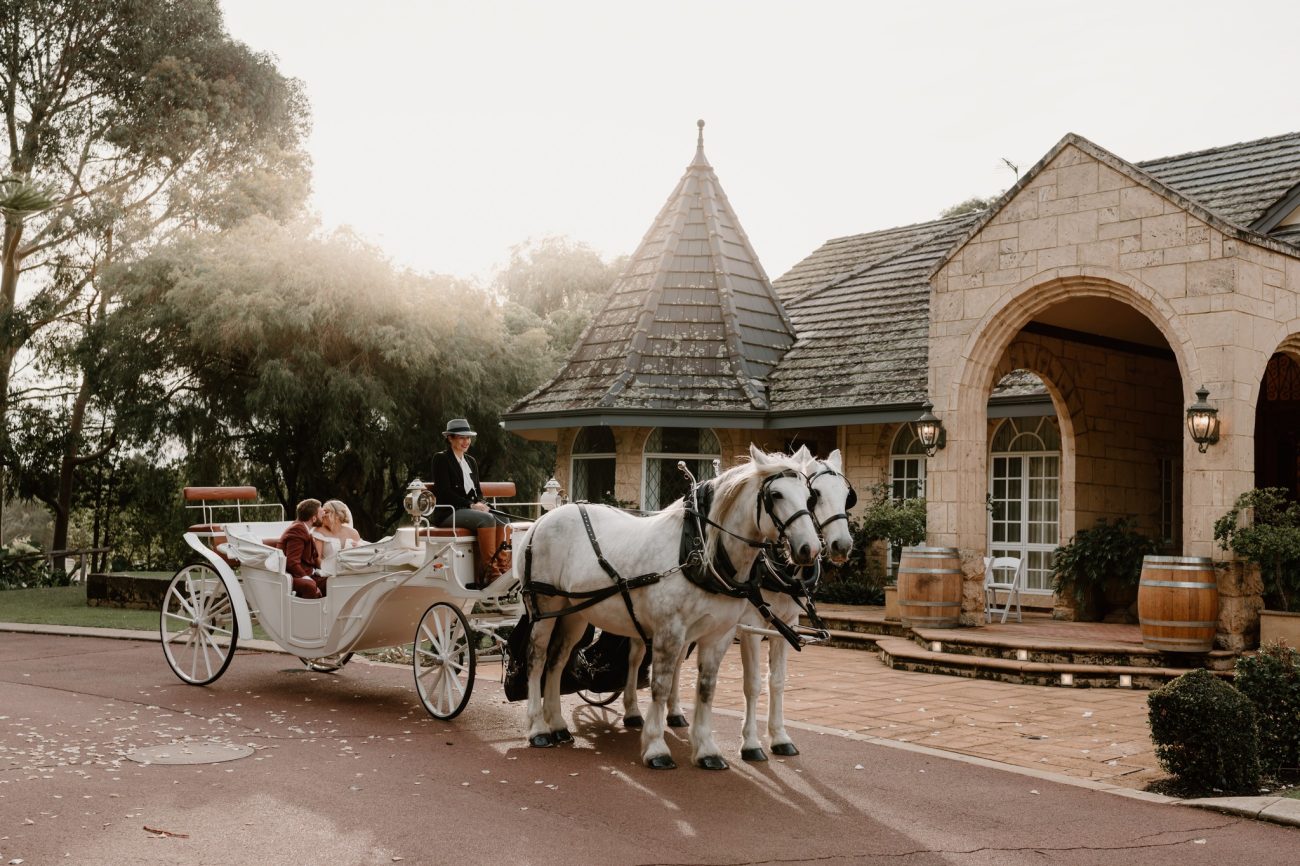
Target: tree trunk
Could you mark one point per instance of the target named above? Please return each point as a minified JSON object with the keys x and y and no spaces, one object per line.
{"x":68,"y":466}
{"x":9,"y":263}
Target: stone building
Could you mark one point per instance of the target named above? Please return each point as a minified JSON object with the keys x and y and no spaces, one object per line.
{"x":1060,"y":336}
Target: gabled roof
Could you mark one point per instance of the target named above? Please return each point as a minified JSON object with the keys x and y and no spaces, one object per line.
{"x":863,"y":333}
{"x":693,"y":325}
{"x":1239,"y":182}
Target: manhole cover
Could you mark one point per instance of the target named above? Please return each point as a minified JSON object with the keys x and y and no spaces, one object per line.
{"x":190,"y":753}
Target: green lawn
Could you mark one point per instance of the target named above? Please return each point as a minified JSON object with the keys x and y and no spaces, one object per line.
{"x":66,"y":605}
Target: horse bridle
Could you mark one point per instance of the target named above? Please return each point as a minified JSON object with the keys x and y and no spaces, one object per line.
{"x":814,"y":495}
{"x":767,"y":502}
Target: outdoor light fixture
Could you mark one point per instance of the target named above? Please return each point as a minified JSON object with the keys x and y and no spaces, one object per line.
{"x":1203,"y":421}
{"x":550,"y":495}
{"x":929,"y":429}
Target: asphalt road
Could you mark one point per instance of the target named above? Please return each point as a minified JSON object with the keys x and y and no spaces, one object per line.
{"x":348,"y":769}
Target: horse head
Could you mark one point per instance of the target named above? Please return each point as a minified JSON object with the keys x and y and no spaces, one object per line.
{"x":782,"y":510}
{"x":832,"y":496}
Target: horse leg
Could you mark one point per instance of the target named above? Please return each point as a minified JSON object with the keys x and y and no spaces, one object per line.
{"x":709,"y":652}
{"x":751,"y":748}
{"x":654,"y":750}
{"x":568,"y":632}
{"x":631,"y":711}
{"x":676,"y":718}
{"x":778,"y":654}
{"x":539,"y":639}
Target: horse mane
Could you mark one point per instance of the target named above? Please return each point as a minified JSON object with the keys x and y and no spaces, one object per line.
{"x":730,"y":485}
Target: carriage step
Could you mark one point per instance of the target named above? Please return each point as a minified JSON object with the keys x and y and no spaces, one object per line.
{"x":904,"y":654}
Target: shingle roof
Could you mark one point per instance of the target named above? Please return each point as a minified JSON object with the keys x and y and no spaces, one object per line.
{"x":1239,"y":182}
{"x":693,"y":324}
{"x":864,"y":333}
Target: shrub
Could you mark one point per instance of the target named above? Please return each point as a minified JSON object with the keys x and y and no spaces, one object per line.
{"x":1205,"y":734}
{"x":1271,"y":680}
{"x":1107,"y":554}
{"x":1270,"y":539}
{"x":23,"y":567}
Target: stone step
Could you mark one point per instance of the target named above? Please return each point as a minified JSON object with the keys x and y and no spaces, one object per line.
{"x":1026,"y":648}
{"x":904,"y":654}
{"x":859,"y":625}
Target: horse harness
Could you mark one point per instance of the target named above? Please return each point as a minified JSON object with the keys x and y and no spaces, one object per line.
{"x":716,"y":576}
{"x":815,"y":495}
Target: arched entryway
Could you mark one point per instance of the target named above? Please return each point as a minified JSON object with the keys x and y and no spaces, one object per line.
{"x":1277,"y":425}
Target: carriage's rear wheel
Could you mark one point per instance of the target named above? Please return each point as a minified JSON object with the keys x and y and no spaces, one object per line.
{"x":443,"y":660}
{"x":199,"y":631}
{"x":326,"y":664}
{"x":598,"y":699}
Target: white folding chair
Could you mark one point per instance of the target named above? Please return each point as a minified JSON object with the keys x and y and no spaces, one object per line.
{"x":1002,"y":574}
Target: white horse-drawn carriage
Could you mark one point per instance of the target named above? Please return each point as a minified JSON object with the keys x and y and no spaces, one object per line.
{"x":411,"y":588}
{"x":686,"y":575}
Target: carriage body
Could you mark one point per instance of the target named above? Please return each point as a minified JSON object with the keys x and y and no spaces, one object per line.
{"x":408,"y":589}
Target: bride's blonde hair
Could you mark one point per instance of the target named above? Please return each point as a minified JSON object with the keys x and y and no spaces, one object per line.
{"x":345,"y":515}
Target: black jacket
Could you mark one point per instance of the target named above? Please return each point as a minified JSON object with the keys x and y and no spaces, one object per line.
{"x":449,"y":481}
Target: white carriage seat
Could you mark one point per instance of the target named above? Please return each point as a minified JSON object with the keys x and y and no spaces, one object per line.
{"x":250,"y":549}
{"x":1003,"y":574}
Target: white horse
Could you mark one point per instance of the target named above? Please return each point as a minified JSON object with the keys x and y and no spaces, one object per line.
{"x":568,"y":557}
{"x":832,"y":497}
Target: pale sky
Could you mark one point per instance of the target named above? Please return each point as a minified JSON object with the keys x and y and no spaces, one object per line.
{"x":446,"y":132}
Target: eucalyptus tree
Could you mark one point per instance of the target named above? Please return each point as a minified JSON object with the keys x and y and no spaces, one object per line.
{"x":143,"y":119}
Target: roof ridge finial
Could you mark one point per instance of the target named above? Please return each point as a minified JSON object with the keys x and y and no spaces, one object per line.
{"x":700,"y":158}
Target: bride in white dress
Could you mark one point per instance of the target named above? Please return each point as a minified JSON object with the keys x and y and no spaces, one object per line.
{"x":335,"y":533}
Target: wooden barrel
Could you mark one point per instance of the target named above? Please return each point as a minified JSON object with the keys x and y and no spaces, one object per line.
{"x":1178,"y":603}
{"x":929,"y":587}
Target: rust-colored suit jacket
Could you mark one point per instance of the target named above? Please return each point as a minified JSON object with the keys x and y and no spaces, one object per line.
{"x":301,"y":557}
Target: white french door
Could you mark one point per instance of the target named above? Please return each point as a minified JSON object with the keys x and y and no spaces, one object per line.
{"x":1024,"y":512}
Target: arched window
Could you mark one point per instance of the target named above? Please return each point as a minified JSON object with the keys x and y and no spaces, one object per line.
{"x":593,"y":465}
{"x":664,"y":482}
{"x":907,"y":464}
{"x":1025,"y":495}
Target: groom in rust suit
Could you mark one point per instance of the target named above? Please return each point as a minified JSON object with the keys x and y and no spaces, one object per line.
{"x":301,"y":558}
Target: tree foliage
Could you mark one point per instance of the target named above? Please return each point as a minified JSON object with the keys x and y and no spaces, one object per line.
{"x":316,"y":368}
{"x":126,"y":122}
{"x":555,"y":284}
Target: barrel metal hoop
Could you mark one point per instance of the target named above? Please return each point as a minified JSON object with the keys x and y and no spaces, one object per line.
{"x":1180,"y":623}
{"x":1180,"y":584}
{"x":930,"y":570}
{"x":906,"y":603}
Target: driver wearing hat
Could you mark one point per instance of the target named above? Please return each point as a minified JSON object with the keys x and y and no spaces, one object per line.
{"x":456,"y":483}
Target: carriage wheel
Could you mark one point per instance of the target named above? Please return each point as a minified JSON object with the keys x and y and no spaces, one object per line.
{"x":443,"y":660}
{"x":598,"y":699}
{"x":199,"y":631}
{"x":326,"y":664}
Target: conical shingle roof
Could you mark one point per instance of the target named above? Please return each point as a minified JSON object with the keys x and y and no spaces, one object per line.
{"x":692,"y":326}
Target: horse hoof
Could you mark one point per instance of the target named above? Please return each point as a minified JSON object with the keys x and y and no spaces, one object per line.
{"x":633,"y":722}
{"x":677,"y":721}
{"x":755,"y":755}
{"x":785,"y":750}
{"x":661,"y":762}
{"x":562,"y":736}
{"x":711,"y":762}
{"x":541,"y":741}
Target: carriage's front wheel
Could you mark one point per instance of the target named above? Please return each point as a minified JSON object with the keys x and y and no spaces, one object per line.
{"x":199,"y":631}
{"x":443,"y":660}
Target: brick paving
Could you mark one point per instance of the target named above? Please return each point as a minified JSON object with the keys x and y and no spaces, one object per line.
{"x":1096,"y":734}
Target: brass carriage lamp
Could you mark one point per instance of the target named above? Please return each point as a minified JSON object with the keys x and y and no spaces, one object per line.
{"x":1203,"y":421}
{"x":550,"y":497}
{"x":929,"y":429}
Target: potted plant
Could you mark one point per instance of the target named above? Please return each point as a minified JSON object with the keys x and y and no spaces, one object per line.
{"x":1100,"y":568}
{"x":898,"y":523}
{"x":1263,"y":527}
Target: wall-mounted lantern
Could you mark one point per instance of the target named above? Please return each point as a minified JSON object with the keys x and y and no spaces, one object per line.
{"x":929,"y":430}
{"x":1203,"y":421}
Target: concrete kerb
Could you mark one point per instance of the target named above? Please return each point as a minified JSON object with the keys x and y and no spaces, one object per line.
{"x":1277,"y":810}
